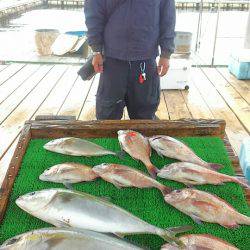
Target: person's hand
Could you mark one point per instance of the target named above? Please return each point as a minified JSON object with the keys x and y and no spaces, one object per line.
{"x":97,"y":62}
{"x":163,"y":66}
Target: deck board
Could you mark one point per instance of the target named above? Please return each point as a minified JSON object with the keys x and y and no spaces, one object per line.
{"x":29,"y":90}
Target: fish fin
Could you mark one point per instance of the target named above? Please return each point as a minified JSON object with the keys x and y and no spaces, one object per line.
{"x":180,"y":229}
{"x":153,"y":171}
{"x":215,"y":166}
{"x":61,"y":224}
{"x":170,"y":237}
{"x":121,"y":154}
{"x":242,"y":181}
{"x":196,"y":219}
{"x":68,"y":185}
{"x":231,"y":226}
{"x":120,"y":235}
{"x":165,"y":190}
{"x":160,"y":154}
{"x":105,"y":198}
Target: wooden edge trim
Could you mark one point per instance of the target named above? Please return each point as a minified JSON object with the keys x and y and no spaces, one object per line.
{"x":185,"y":127}
{"x":13,"y":169}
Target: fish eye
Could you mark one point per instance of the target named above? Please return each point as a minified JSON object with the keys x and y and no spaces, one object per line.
{"x":178,"y":191}
{"x":31,"y":194}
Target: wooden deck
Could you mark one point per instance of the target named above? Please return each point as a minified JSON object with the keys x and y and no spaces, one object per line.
{"x":28,"y":90}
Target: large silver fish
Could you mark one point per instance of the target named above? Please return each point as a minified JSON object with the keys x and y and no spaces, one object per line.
{"x":76,"y":147}
{"x":65,"y":239}
{"x":137,"y":146}
{"x":124,"y":176}
{"x":193,"y":174}
{"x":68,"y":173}
{"x":203,"y":206}
{"x":201,"y":242}
{"x":67,"y":208}
{"x":172,"y":148}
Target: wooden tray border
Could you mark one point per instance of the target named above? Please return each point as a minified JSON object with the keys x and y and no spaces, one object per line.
{"x":54,"y":128}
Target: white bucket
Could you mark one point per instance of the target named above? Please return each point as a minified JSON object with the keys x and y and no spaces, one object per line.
{"x":183,"y":42}
{"x":44,"y":39}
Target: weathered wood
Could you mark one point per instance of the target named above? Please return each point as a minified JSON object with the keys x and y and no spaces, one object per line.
{"x":55,"y":117}
{"x":57,"y":129}
{"x":13,"y":169}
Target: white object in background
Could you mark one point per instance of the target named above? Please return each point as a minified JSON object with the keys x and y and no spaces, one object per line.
{"x":63,"y":44}
{"x":245,"y":157}
{"x":247,"y":36}
{"x":178,"y":75}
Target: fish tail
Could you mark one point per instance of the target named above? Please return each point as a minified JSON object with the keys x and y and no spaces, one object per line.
{"x":165,"y":190}
{"x":153,"y":170}
{"x":242,"y":181}
{"x":214,"y":166}
{"x":169,"y":234}
{"x":243,"y":219}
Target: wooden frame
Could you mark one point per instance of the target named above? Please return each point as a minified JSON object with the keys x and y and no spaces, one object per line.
{"x":55,"y":128}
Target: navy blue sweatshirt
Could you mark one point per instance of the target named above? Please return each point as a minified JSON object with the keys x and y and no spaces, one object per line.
{"x":131,"y":29}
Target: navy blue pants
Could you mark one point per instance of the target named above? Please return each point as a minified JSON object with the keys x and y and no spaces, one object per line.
{"x":119,"y":87}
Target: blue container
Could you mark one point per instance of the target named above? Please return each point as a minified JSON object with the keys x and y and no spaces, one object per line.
{"x":245,"y":158}
{"x":79,"y":33}
{"x":240,"y":64}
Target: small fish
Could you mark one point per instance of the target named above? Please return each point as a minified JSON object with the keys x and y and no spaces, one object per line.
{"x":202,"y":206}
{"x":68,"y":173}
{"x":193,"y":174}
{"x":76,"y":147}
{"x":67,"y":208}
{"x":124,"y":176}
{"x":172,"y":148}
{"x":65,"y":239}
{"x":137,"y":146}
{"x":201,"y":242}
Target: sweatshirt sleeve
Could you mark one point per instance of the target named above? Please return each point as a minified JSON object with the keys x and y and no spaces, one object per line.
{"x":95,"y":19}
{"x":167,"y":27}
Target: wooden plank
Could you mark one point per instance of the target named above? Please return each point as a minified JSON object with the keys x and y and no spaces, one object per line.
{"x":88,"y":111}
{"x":3,"y":66}
{"x":185,"y":127}
{"x":195,"y":103}
{"x":10,"y":72}
{"x":219,"y":109}
{"x":10,"y":128}
{"x":13,"y":169}
{"x":8,"y":87}
{"x":243,"y":87}
{"x":176,"y":105}
{"x":22,"y":92}
{"x":58,"y":95}
{"x":234,"y":100}
{"x":162,"y":111}
{"x":5,"y":161}
{"x":76,"y":98}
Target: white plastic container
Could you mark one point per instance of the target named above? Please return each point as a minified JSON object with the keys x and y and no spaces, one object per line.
{"x":245,"y":157}
{"x":178,"y":75}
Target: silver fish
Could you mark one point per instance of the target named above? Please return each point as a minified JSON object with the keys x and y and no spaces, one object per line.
{"x":76,"y":147}
{"x":124,"y":176}
{"x":137,"y":146}
{"x":68,"y":173}
{"x":67,"y":208}
{"x":203,"y":206}
{"x":172,"y":148}
{"x":193,"y":174}
{"x":65,"y":239}
{"x":201,"y":242}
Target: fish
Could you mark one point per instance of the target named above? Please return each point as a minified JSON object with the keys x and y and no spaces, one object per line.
{"x":68,"y":173}
{"x":173,"y":148}
{"x":138,"y":147}
{"x":76,"y":147}
{"x":193,"y":174}
{"x":64,"y":239}
{"x":68,"y":208}
{"x":203,"y":206}
{"x":201,"y":242}
{"x":124,"y":176}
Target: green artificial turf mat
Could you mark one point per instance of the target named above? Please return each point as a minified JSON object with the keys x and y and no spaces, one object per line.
{"x":148,"y":204}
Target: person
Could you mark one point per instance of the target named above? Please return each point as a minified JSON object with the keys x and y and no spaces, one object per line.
{"x":129,"y":34}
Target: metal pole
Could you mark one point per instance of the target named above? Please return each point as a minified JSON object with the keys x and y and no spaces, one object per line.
{"x":197,"y":45}
{"x":216,"y":31}
{"x":247,"y":37}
